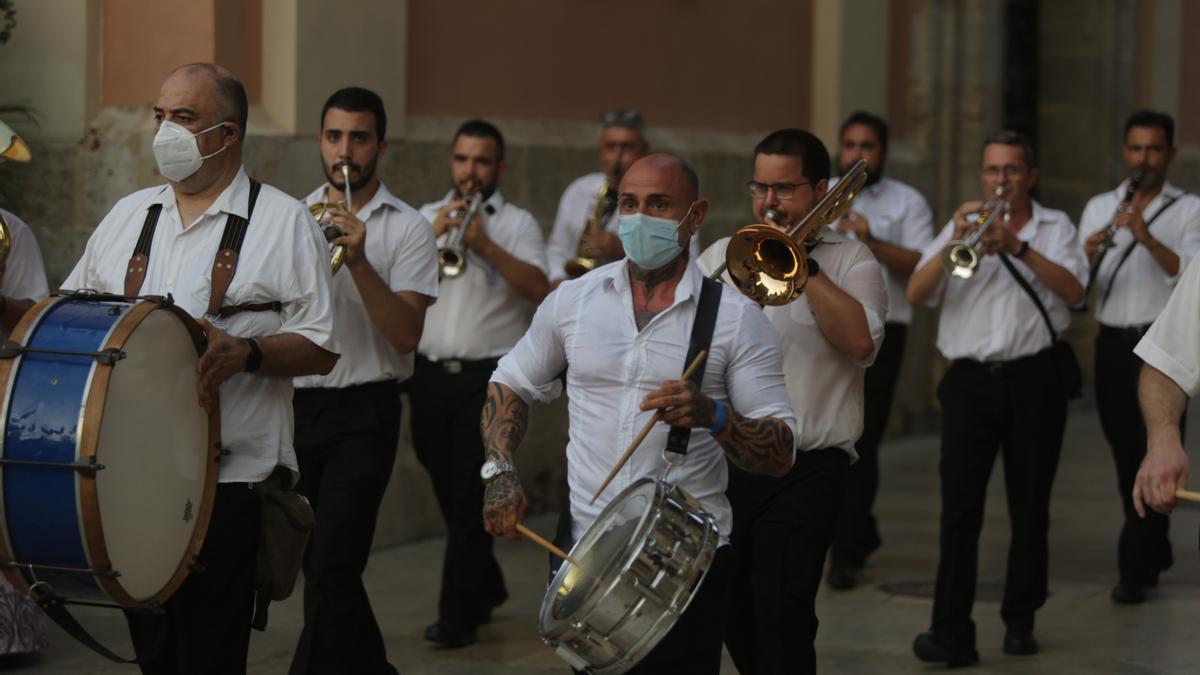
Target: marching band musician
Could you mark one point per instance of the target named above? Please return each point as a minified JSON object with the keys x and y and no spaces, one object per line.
{"x":622,"y":141}
{"x":22,"y":274}
{"x":480,"y":316}
{"x":621,"y":333}
{"x":22,"y":285}
{"x":783,"y":526}
{"x":348,"y":422}
{"x":1001,"y":391}
{"x":895,"y":222}
{"x":1133,"y":281}
{"x":284,"y":331}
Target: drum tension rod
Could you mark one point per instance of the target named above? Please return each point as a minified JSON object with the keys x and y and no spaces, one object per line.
{"x":105,"y":357}
{"x":106,"y":572}
{"x":89,"y":468}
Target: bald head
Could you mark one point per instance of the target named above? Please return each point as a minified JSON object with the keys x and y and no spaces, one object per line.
{"x":218,"y":85}
{"x":670,"y":174}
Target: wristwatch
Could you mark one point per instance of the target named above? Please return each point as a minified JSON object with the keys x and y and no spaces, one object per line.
{"x":492,"y":468}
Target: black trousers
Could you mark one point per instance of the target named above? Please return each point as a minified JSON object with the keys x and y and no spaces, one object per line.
{"x":857,"y":534}
{"x":1144,"y":548}
{"x":204,"y":628}
{"x":446,"y":407}
{"x":782,"y":529}
{"x":1020,"y":410}
{"x":346,"y":445}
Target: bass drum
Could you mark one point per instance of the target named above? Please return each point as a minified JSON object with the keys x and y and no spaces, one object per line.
{"x":108,"y":465}
{"x":640,"y":564}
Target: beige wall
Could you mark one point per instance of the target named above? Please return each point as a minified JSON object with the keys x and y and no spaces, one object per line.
{"x":700,"y":64}
{"x":52,"y":64}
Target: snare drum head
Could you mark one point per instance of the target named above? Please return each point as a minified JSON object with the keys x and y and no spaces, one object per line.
{"x":611,"y":541}
{"x":153,"y":443}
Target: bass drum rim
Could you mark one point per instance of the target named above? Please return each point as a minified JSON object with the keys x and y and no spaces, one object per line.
{"x":89,"y":436}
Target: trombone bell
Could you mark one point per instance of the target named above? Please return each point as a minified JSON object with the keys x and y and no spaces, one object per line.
{"x":5,"y":240}
{"x":766,"y":265}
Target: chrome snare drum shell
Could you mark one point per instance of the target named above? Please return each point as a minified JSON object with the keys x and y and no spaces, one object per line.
{"x":641,"y":562}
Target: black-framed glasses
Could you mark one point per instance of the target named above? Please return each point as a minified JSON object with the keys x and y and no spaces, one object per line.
{"x":783,"y":191}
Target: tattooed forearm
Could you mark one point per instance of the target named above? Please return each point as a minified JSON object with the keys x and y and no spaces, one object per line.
{"x":761,"y":445}
{"x":503,"y":422}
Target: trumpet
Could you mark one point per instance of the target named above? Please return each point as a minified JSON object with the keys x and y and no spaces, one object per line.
{"x":771,"y":267}
{"x":337,"y":253}
{"x":452,"y":258}
{"x":605,"y":204}
{"x":5,"y":240}
{"x":961,"y":257}
{"x":1135,"y":181}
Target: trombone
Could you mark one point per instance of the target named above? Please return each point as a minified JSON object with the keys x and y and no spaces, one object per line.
{"x":337,"y":253}
{"x":452,"y":258}
{"x":771,"y":267}
{"x":961,"y":257}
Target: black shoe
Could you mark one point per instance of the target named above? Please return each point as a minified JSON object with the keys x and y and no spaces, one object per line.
{"x":842,"y":578}
{"x":449,"y":636}
{"x":1020,"y":642}
{"x":933,"y":648}
{"x":1128,"y":594}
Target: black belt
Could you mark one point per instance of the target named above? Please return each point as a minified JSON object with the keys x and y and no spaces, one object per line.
{"x":377,"y":388}
{"x":1006,"y":368}
{"x":1124,"y":333}
{"x":458,"y":366}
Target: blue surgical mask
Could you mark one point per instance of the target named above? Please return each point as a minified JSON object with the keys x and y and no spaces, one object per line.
{"x":650,"y":242}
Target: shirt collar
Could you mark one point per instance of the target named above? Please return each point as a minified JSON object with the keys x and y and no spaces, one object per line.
{"x":1168,"y":192}
{"x":616,"y":280}
{"x":383,"y":197}
{"x":1039,"y":216}
{"x":235,"y":198}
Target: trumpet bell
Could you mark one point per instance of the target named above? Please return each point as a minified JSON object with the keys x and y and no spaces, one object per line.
{"x":451,"y":262}
{"x":337,"y":254}
{"x":960,"y":260}
{"x":766,"y":265}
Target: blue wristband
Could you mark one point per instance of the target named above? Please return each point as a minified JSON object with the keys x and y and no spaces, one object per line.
{"x":720,"y":418}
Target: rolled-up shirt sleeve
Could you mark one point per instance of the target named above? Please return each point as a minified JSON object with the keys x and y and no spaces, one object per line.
{"x":1172,"y":345}
{"x":532,"y":367}
{"x":864,"y":282}
{"x":754,"y":377}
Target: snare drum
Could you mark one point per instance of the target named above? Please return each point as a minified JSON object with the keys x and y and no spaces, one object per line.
{"x":108,"y":465}
{"x":640,"y":564}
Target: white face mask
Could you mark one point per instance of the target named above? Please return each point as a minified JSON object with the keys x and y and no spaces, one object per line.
{"x":177,"y":153}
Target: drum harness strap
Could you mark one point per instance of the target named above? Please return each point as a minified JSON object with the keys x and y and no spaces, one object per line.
{"x":224,"y":263}
{"x":224,"y":267}
{"x":701,"y":339}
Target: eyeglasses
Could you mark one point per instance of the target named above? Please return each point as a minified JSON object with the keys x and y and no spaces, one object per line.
{"x":631,"y":119}
{"x":783,"y":191}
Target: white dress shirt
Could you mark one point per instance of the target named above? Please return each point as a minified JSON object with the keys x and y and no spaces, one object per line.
{"x":283,"y":259}
{"x":24,"y":273}
{"x":899,"y":215}
{"x":1172,"y":344}
{"x":399,"y":246}
{"x":588,"y":325}
{"x":1142,"y":286}
{"x":478,"y":315}
{"x":989,"y":317}
{"x":574,"y":210}
{"x":824,"y":385}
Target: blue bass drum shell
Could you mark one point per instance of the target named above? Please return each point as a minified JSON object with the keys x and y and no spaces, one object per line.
{"x":89,"y":481}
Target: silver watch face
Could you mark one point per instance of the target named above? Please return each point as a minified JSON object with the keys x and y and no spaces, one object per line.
{"x":489,"y":470}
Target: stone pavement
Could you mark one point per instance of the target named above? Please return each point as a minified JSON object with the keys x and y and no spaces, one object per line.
{"x":866,"y":630}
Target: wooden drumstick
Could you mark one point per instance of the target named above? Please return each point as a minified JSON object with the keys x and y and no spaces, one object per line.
{"x":1187,"y":495}
{"x":537,"y":539}
{"x":691,"y":369}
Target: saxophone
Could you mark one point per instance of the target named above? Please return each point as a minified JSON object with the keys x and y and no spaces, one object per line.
{"x":606,"y":201}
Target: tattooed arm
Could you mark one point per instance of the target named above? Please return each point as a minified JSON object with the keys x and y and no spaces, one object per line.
{"x":505,"y":417}
{"x":758,"y":445}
